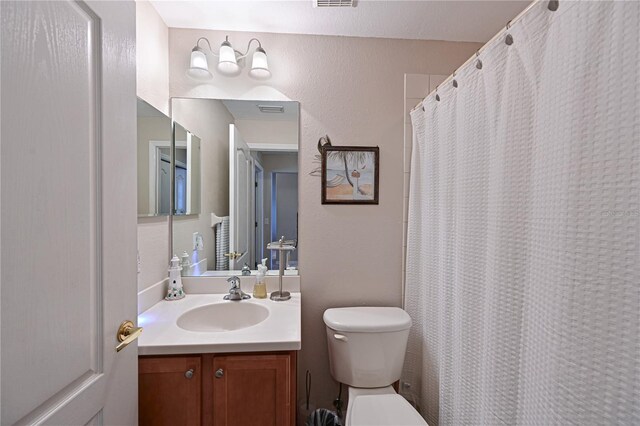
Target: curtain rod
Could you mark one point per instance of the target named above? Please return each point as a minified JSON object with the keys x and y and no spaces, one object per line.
{"x":553,"y":6}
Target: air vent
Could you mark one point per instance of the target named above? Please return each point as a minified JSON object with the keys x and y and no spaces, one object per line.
{"x":271,"y":109}
{"x":334,"y":3}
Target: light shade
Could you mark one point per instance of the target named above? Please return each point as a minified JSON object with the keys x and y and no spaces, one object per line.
{"x":198,"y":68}
{"x":228,"y":63}
{"x":259,"y":65}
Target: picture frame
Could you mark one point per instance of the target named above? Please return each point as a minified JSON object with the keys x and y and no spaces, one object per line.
{"x":350,"y":174}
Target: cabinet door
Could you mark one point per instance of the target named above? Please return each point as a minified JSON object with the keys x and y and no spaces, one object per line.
{"x":253,"y":390}
{"x":169,"y":390}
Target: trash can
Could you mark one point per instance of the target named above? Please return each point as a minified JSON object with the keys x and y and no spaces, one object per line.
{"x":323,"y":417}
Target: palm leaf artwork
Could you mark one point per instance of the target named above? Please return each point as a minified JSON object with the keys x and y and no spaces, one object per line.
{"x":357,"y":160}
{"x":350,"y":174}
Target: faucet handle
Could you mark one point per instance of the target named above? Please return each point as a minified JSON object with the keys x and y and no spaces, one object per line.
{"x":235,"y":282}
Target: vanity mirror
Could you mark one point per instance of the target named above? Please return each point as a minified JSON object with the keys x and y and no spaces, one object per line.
{"x":154,"y":161}
{"x":248,"y":192}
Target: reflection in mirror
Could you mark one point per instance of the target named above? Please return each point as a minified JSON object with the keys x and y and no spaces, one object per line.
{"x":154,"y":161}
{"x":248,"y":195}
{"x":186,"y":172}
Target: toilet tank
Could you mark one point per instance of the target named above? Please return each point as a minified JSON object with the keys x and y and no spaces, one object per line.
{"x":366,"y":344}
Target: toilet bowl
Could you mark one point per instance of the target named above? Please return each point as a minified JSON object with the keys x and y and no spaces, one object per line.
{"x":366,"y":352}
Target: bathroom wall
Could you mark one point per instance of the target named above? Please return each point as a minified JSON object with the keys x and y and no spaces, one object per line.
{"x":152,"y":56}
{"x":152,"y":69}
{"x":353,"y":90}
{"x":209,"y":120}
{"x":268,"y":131}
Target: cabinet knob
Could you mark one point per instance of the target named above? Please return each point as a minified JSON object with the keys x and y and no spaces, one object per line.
{"x":189,"y":373}
{"x":219,"y":373}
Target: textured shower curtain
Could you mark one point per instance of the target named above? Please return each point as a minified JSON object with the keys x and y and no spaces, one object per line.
{"x":523,"y":259}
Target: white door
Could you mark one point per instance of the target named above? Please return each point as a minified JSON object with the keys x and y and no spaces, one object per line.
{"x":259,"y":245}
{"x":240,"y":200}
{"x":68,"y":212}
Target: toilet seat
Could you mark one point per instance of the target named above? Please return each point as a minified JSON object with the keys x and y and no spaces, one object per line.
{"x":382,"y":410}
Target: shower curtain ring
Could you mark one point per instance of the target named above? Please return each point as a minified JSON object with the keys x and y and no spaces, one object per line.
{"x":478,"y":61}
{"x":437,"y":96}
{"x":454,"y":82}
{"x":509,"y":38}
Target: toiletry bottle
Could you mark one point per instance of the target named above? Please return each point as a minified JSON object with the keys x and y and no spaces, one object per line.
{"x":185,"y":262}
{"x":245,"y":270}
{"x":260,"y":287}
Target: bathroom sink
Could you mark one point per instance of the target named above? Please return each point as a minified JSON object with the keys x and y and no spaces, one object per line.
{"x":226,"y":316}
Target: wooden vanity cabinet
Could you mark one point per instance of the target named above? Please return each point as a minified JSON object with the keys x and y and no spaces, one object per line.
{"x":257,"y":390}
{"x":243,"y":389}
{"x":169,"y":390}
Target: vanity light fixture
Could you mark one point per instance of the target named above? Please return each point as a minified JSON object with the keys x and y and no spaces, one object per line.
{"x":229,"y":61}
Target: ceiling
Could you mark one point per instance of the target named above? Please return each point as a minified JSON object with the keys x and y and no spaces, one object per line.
{"x":450,"y":20}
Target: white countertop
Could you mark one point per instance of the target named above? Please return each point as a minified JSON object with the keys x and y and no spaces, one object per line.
{"x":161,"y":336}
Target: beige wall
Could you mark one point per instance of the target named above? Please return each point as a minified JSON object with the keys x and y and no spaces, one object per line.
{"x":152,"y":56}
{"x":152,"y":65}
{"x":268,"y":131}
{"x":352,"y":90}
{"x":209,"y":120}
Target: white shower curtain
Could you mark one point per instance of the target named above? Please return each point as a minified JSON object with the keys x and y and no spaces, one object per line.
{"x":522,"y":273}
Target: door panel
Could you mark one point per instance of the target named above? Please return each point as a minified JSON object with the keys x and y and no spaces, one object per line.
{"x":68,"y":227}
{"x":241,"y":222}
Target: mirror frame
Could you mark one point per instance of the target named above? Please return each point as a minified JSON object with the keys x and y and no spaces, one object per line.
{"x":170,"y":143}
{"x":221,"y":273}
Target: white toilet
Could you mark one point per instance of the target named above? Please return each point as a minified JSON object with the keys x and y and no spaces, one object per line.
{"x":366,"y":352}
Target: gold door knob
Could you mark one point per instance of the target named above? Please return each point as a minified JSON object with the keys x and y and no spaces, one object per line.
{"x":127,"y":333}
{"x":233,"y":255}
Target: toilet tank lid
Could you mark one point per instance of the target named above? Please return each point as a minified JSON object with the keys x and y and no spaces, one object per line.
{"x":367,"y":319}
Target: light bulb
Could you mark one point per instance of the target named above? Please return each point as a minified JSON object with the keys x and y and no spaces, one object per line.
{"x":228,"y":63}
{"x":259,"y":65}
{"x":198,"y":68}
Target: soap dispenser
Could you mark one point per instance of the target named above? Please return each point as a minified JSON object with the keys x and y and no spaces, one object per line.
{"x":175,"y":291}
{"x":185,"y":262}
{"x":245,"y":270}
{"x":260,"y":287}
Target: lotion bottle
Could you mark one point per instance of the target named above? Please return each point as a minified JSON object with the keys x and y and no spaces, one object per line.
{"x":260,"y":287}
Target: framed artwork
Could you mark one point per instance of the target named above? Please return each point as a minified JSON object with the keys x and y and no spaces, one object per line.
{"x":350,"y":174}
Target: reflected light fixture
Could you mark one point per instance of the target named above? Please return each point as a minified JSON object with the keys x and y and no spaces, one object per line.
{"x":230,"y":61}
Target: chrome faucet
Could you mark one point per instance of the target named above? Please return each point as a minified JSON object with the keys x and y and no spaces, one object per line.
{"x":235,"y":292}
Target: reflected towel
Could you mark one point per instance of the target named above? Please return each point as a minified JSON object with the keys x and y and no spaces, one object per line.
{"x":222,"y":244}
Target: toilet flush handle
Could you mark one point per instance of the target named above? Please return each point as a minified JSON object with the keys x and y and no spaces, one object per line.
{"x":340,"y":337}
